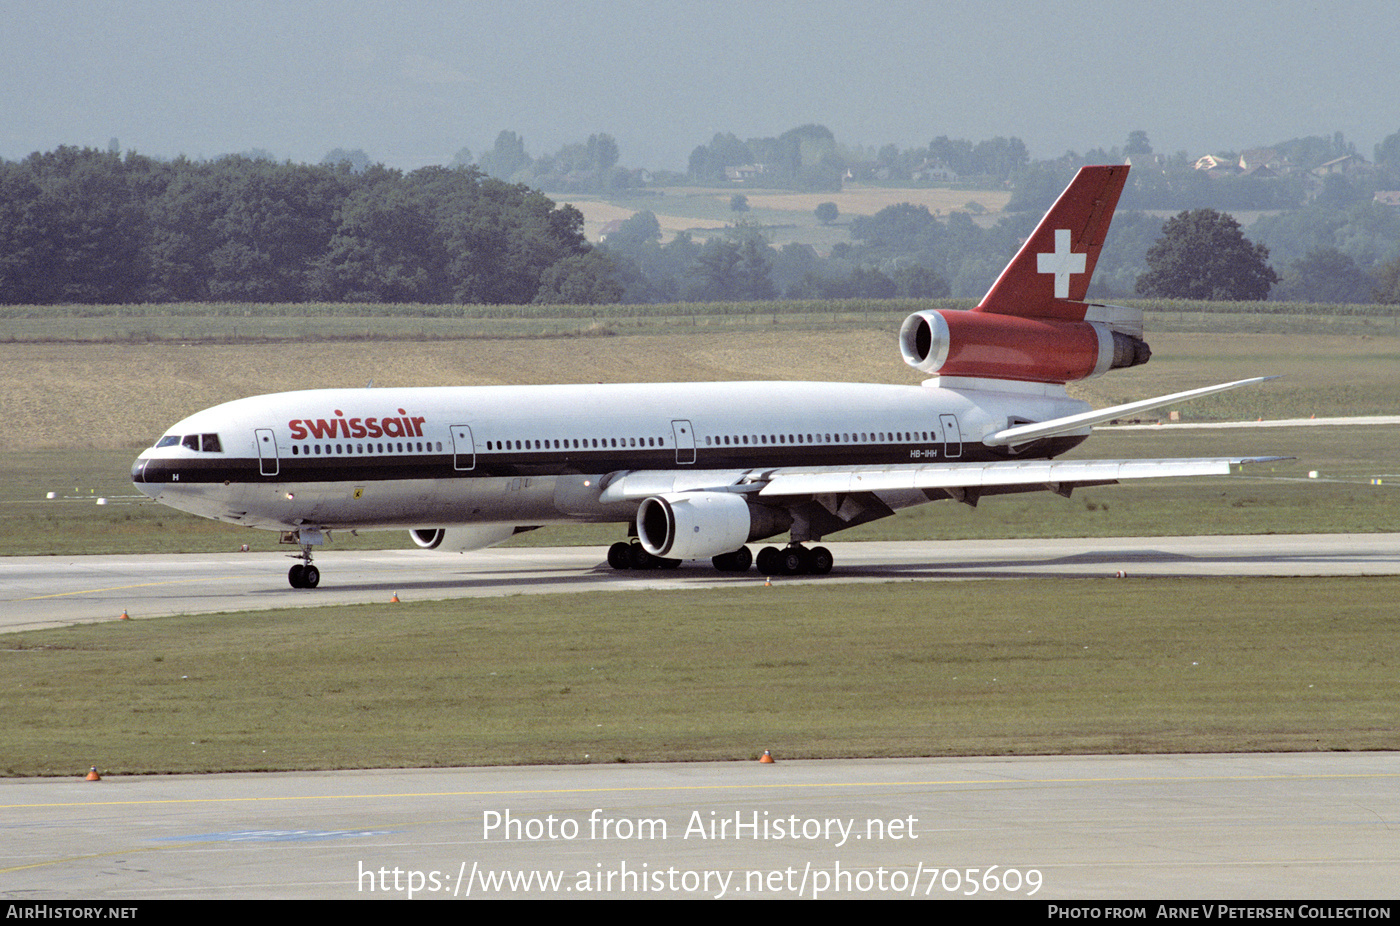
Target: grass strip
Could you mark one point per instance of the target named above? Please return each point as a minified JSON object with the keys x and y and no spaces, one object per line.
{"x":905,"y":669}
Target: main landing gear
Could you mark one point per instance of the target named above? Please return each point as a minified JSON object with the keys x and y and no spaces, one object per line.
{"x":792,"y":560}
{"x":738,"y":561}
{"x":623,"y":555}
{"x":795,"y":560}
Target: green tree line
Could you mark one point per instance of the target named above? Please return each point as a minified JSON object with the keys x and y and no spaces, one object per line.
{"x":90,"y":226}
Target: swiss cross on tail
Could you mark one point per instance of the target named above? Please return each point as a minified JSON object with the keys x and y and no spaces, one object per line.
{"x":1050,"y":275}
{"x":1061,"y":263}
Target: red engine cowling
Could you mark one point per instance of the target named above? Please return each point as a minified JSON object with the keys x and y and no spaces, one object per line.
{"x":992,"y":346}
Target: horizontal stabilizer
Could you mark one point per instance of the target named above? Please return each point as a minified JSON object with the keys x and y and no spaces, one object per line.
{"x":1025,"y":433}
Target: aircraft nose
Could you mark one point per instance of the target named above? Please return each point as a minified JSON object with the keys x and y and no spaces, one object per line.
{"x":156,"y":475}
{"x":138,"y":477}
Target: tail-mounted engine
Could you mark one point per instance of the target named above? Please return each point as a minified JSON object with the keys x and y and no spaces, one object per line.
{"x":1041,"y":350}
{"x":1033,"y":325}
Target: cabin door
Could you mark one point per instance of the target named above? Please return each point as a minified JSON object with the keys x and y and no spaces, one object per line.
{"x":267,"y":451}
{"x":952,"y":437}
{"x":685,"y":441}
{"x":463,"y":448}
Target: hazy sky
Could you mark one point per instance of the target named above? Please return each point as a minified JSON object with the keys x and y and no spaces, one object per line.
{"x":412,"y":82}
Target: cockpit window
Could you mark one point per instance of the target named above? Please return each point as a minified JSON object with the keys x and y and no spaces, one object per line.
{"x":200,"y":443}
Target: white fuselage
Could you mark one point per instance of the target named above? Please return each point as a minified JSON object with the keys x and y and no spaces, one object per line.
{"x":527,"y":455}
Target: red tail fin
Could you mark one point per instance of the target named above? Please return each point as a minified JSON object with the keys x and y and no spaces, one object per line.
{"x":1051,"y":272}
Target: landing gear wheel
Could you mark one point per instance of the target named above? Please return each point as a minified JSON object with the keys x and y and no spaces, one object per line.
{"x":793,"y":561}
{"x":743,"y":559}
{"x":738,"y":561}
{"x":296,"y":576}
{"x":620,"y":555}
{"x":640,"y":558}
{"x":311,"y":578}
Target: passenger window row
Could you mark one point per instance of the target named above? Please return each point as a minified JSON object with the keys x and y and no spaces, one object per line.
{"x":361,"y":449}
{"x":575,"y":443}
{"x":879,"y":437}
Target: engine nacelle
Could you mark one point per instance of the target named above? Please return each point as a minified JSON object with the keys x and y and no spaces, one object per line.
{"x":695,"y":525}
{"x":461,"y":539}
{"x":1040,"y":350}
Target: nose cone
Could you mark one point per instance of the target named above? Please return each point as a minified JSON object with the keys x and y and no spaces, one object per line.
{"x":138,"y":477}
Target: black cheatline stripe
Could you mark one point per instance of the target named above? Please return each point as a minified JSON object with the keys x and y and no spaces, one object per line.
{"x":354,"y":468}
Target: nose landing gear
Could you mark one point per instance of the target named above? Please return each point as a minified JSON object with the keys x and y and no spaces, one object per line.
{"x":303,"y":574}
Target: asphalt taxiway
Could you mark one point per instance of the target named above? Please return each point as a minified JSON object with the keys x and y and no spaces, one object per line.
{"x":1234,"y":827}
{"x":40,"y":591}
{"x":1252,"y":826}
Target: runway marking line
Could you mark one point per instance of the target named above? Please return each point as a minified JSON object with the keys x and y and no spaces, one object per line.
{"x":122,"y":588}
{"x":747,"y":786}
{"x":857,"y":784}
{"x":82,"y":858}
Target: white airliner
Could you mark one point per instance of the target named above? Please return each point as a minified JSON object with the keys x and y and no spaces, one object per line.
{"x":698,"y":470}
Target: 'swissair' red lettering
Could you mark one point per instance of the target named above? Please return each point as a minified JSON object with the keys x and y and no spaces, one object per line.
{"x":339,"y":426}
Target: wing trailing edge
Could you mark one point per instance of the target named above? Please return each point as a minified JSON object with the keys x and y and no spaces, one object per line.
{"x":980,"y":475}
{"x":821,"y":480}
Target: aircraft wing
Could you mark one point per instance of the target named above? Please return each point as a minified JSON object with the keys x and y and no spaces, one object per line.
{"x":1047,"y":473}
{"x":820,"y":480}
{"x":1003,"y":476}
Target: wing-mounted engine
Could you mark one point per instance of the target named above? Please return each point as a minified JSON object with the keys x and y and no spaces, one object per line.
{"x":695,"y":525}
{"x":462,"y":539}
{"x":1043,"y":350}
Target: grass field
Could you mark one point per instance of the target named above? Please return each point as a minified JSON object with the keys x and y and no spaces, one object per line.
{"x":907,"y":669}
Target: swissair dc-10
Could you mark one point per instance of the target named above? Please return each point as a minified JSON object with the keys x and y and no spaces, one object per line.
{"x":699,"y":470}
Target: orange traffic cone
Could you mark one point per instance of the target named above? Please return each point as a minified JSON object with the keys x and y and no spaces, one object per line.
{"x":766,"y":757}
{"x":92,"y":775}
{"x":394,"y":598}
{"x":125,"y":616}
